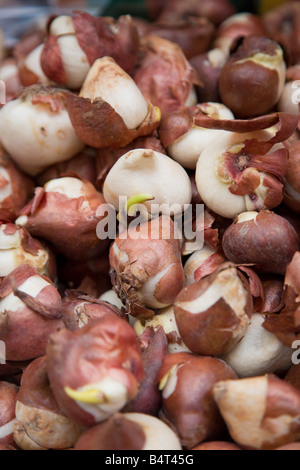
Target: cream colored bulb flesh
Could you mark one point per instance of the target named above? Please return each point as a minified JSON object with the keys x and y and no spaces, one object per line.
{"x":108,"y":81}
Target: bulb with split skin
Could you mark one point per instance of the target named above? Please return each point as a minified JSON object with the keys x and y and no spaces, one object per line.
{"x":36,"y":404}
{"x":188,"y":147}
{"x":214,"y":313}
{"x":261,"y":413}
{"x":186,"y":382}
{"x":75,"y":41}
{"x":130,"y":431}
{"x":30,"y":311}
{"x":264,"y":239}
{"x":231,"y":178}
{"x":96,"y":370}
{"x":146,"y":267}
{"x":64,"y":213}
{"x":258,"y":71}
{"x":165,"y":319}
{"x":110,"y":110}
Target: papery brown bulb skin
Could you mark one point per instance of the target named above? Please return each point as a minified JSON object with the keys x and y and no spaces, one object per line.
{"x":8,"y":397}
{"x":250,"y":85}
{"x":106,"y":350}
{"x":36,"y":403}
{"x":267,"y":241}
{"x":190,"y":410}
{"x":209,"y":321}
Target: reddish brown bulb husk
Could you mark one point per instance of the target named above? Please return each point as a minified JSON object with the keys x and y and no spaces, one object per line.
{"x":64,"y":214}
{"x":30,"y":310}
{"x":191,"y":410}
{"x":213,"y":314}
{"x":147,"y":271}
{"x":36,"y":403}
{"x":96,"y":370}
{"x":265,"y":240}
{"x":253,"y":78}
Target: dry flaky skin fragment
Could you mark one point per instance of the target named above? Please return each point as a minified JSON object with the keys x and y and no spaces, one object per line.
{"x":8,"y":396}
{"x":147,"y":271}
{"x":188,"y":407}
{"x":264,"y":239}
{"x":96,"y":370}
{"x":129,"y":431}
{"x":64,"y":214}
{"x":213,"y":314}
{"x":261,"y":413}
{"x":39,"y":421}
{"x":30,"y":311}
{"x":164,"y":75}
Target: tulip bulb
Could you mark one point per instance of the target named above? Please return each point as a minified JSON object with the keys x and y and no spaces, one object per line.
{"x":108,"y":81}
{"x":146,"y":171}
{"x":43,"y":133}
